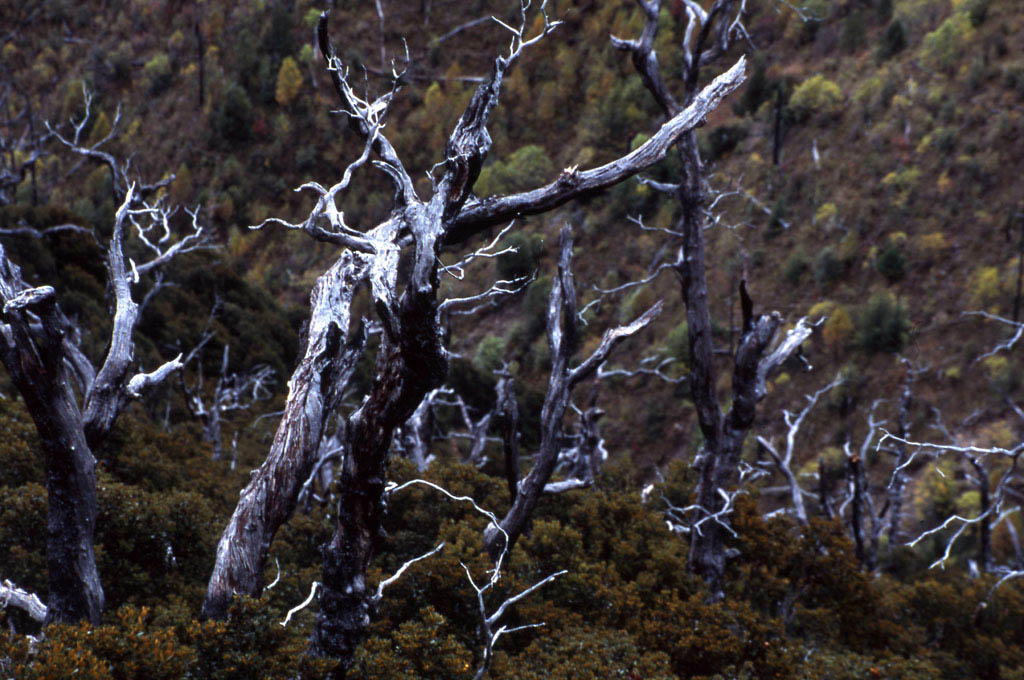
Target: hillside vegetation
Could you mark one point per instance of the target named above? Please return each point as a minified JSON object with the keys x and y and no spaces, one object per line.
{"x":870,"y":178}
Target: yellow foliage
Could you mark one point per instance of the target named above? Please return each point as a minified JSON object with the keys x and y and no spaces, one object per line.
{"x":932,"y":245}
{"x":838,"y":329}
{"x":822,"y":309}
{"x":826,"y":215}
{"x":289,"y":82}
{"x":986,"y":286}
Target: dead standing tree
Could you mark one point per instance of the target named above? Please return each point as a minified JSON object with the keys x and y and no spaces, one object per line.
{"x":563,"y":333}
{"x":40,"y":350}
{"x":708,"y":35}
{"x":231,"y":392}
{"x":412,"y":359}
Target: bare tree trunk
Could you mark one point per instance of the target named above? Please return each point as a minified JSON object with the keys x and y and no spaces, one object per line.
{"x":985,"y":525}
{"x":899,"y":478}
{"x":38,"y":350}
{"x":856,"y":527}
{"x":328,"y":361}
{"x":75,"y":592}
{"x":508,"y":407}
{"x":562,"y":333}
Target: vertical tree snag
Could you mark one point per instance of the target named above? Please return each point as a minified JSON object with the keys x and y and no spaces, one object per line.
{"x":562,"y":331}
{"x":40,"y":351}
{"x":508,"y":407}
{"x":709,"y":34}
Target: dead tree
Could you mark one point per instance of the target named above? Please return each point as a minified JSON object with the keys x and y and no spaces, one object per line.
{"x":708,"y":35}
{"x":899,"y":476}
{"x":508,"y":408}
{"x":231,"y":392}
{"x":784,"y":461}
{"x":563,"y":333}
{"x":40,"y":351}
{"x":412,"y":359}
{"x":21,"y":147}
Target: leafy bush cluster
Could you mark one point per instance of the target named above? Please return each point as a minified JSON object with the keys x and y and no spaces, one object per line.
{"x":797,"y":605}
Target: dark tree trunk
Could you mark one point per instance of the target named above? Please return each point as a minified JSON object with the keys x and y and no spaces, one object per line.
{"x":411,"y":363}
{"x":508,"y":407}
{"x":562,"y":330}
{"x":35,"y":360}
{"x":985,"y":525}
{"x":75,"y":593}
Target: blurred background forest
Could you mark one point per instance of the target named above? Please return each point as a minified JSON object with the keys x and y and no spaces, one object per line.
{"x":872,"y":163}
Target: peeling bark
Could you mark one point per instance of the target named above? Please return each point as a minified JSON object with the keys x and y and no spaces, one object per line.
{"x":328,"y":359}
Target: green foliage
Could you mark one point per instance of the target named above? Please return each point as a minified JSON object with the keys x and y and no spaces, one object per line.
{"x":722,"y":140}
{"x":526,"y":168}
{"x":855,"y":30}
{"x":892,"y":264}
{"x":827,"y":267}
{"x":882,"y":324}
{"x":678,"y":343}
{"x":489,"y":354}
{"x":157,"y":73}
{"x":795,"y":268}
{"x":816,"y":96}
{"x":892,"y":42}
{"x":977,"y":11}
{"x":289,"y":82}
{"x":526,"y":258}
{"x":233,"y":119}
{"x":1003,"y":374}
{"x":758,"y":90}
{"x":944,"y":48}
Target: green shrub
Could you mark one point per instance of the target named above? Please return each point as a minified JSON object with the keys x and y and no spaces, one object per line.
{"x":526,"y":258}
{"x":944,"y":48}
{"x":977,"y":11}
{"x":816,"y":96}
{"x":892,"y":42}
{"x":827,"y":267}
{"x":855,"y":30}
{"x":796,"y":266}
{"x":892,"y":264}
{"x":678,"y":343}
{"x":157,"y":73}
{"x":526,"y":168}
{"x":882,"y":324}
{"x":722,"y":140}
{"x":233,"y":119}
{"x":489,"y":354}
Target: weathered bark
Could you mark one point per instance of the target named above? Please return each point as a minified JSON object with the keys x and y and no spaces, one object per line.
{"x":724,"y":434}
{"x":508,"y":407}
{"x":899,"y":476}
{"x":784,"y":461}
{"x":412,"y":360}
{"x":43,"y":361}
{"x":856,"y":466}
{"x":985,"y":513}
{"x":480,"y":214}
{"x":13,"y":596}
{"x":34,"y":358}
{"x":562,"y":330}
{"x":328,"y":360}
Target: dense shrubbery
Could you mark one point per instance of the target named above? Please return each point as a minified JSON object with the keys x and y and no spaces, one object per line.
{"x":797,"y":604}
{"x":916,"y":156}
